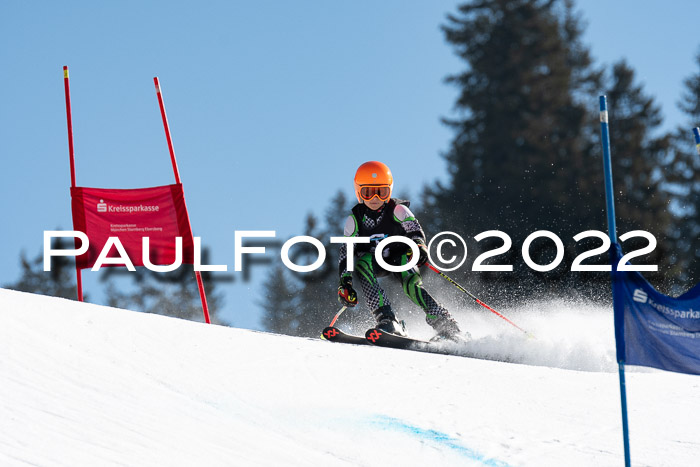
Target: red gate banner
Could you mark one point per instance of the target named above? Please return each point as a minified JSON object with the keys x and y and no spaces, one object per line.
{"x":158,"y":213}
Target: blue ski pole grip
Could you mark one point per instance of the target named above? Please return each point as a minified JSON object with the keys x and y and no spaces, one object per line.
{"x":696,"y":132}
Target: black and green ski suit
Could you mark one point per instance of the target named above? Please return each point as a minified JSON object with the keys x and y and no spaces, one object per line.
{"x":395,"y":218}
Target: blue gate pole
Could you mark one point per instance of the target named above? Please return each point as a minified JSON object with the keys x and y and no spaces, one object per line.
{"x":696,"y":132}
{"x":612,"y":233}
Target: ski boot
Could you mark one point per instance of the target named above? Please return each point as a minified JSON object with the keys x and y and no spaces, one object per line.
{"x":447,"y":329}
{"x":387,"y":322}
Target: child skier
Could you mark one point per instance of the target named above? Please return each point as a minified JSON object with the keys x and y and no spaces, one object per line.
{"x":377,"y":216}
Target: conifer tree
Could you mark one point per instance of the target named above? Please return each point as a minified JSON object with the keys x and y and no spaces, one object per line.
{"x":685,"y":182}
{"x":280,"y":304}
{"x":641,"y":200}
{"x":59,"y":282}
{"x":173,"y":293}
{"x":302,"y":303}
{"x":525,"y":155}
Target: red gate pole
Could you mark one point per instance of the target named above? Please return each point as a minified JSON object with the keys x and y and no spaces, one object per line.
{"x":69,"y":118}
{"x":198,"y":274}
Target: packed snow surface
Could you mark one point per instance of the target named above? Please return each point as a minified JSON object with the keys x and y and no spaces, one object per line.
{"x":87,"y":385}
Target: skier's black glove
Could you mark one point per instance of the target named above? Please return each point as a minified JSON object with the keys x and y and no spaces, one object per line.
{"x":423,"y":250}
{"x":346,"y":294}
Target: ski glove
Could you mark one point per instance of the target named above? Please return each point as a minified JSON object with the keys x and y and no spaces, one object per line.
{"x":346,"y":294}
{"x":423,"y":250}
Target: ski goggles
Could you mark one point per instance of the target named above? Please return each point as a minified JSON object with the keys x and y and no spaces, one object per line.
{"x":382,"y":192}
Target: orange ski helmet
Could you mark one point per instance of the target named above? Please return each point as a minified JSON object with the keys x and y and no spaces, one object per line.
{"x":373,"y":179}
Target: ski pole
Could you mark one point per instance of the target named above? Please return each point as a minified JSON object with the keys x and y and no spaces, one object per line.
{"x":451,"y":281}
{"x":337,"y":315}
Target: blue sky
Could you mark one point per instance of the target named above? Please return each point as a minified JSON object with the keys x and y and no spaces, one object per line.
{"x":272,"y":105}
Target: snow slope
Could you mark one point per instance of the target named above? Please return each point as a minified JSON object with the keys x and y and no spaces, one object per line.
{"x":87,"y":385}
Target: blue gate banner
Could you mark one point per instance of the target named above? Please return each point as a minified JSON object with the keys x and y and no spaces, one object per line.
{"x":653,"y":329}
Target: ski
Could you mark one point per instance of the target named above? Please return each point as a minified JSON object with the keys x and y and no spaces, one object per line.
{"x":334,"y":334}
{"x":384,"y":339}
